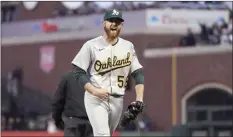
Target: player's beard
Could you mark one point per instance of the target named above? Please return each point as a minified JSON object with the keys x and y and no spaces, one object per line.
{"x":112,"y":34}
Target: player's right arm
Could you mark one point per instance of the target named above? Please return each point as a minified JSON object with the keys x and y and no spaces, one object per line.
{"x":83,"y":80}
{"x":81,"y":63}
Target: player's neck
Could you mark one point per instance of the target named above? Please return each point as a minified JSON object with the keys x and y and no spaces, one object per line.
{"x":111,"y":41}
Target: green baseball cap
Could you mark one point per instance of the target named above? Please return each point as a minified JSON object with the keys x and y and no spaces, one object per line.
{"x":113,"y":14}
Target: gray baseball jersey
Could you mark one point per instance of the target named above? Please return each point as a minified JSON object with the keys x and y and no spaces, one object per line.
{"x":108,"y":65}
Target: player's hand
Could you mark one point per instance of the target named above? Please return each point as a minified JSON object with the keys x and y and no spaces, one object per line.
{"x":101,"y":93}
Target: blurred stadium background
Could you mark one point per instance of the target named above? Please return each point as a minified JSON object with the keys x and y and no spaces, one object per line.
{"x":186,"y":48}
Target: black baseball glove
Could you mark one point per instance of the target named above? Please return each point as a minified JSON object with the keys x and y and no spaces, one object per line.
{"x":132,"y":112}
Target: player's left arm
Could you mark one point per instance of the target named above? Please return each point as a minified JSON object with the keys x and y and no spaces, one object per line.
{"x":138,"y":75}
{"x":136,"y":107}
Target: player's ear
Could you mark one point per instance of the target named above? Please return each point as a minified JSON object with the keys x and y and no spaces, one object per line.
{"x":104,"y":22}
{"x":122,"y":23}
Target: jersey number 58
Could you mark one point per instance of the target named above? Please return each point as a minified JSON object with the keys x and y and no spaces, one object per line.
{"x":122,"y":81}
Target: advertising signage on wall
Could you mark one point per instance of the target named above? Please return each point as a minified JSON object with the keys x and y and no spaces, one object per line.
{"x":181,"y":19}
{"x":159,"y":21}
{"x":80,"y":24}
{"x":58,"y":26}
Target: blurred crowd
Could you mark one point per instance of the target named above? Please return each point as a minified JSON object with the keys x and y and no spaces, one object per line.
{"x":21,"y":107}
{"x":9,"y":9}
{"x":85,"y":8}
{"x":219,"y":33}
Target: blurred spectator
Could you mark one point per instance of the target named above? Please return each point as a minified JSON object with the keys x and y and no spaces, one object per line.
{"x":226,"y":30}
{"x":230,"y":14}
{"x":219,"y":33}
{"x":222,"y":23}
{"x":10,"y":83}
{"x":215,"y":34}
{"x":204,"y":33}
{"x":226,"y":37}
{"x":231,"y":30}
{"x":15,"y":81}
{"x":8,"y":12}
{"x":189,"y":39}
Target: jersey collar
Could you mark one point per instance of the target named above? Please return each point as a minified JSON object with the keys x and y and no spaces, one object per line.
{"x":105,"y":43}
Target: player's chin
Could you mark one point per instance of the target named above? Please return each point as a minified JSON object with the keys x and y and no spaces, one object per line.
{"x":115,"y":33}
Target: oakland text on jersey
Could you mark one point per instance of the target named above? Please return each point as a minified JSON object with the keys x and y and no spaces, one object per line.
{"x":105,"y":67}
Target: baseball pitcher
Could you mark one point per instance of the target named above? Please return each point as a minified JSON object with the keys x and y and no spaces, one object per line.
{"x":101,"y":67}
